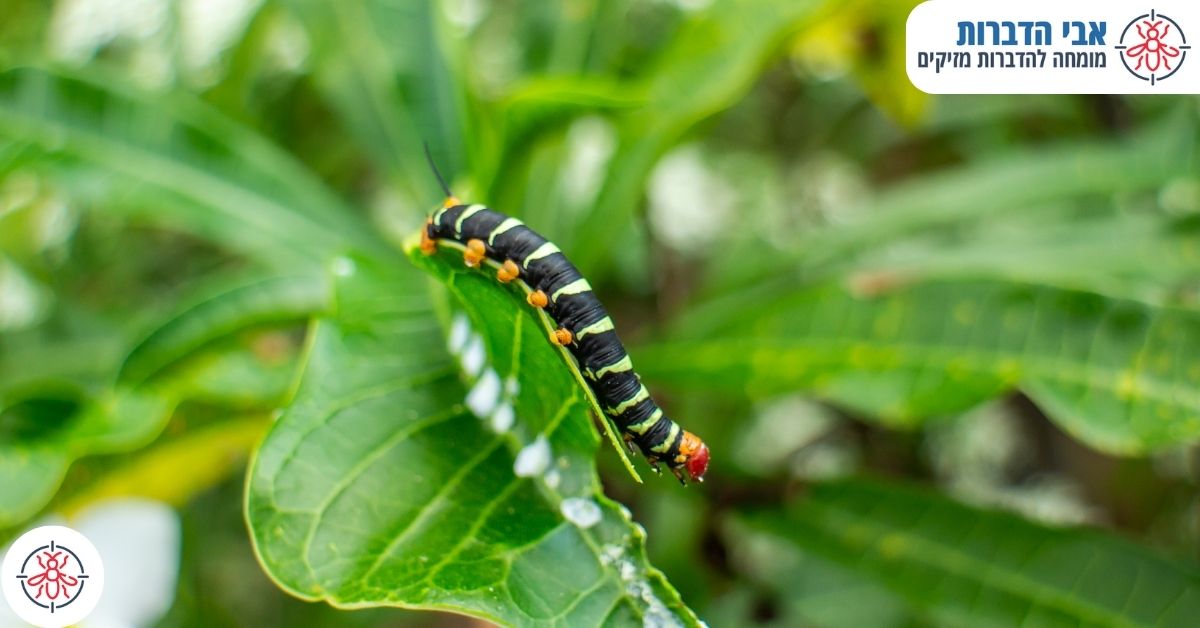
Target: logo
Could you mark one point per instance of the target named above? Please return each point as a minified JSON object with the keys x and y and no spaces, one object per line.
{"x":52,"y":577}
{"x":1040,"y":47}
{"x":1152,"y":47}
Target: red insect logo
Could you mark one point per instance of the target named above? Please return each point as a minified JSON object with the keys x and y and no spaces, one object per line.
{"x":52,"y":583}
{"x":52,"y":576}
{"x":1158,"y":49}
{"x":1153,"y":52}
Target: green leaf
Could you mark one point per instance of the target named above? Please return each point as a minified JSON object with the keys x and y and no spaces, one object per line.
{"x":236,"y":307}
{"x":31,"y":366}
{"x":378,"y":487}
{"x":191,"y":168}
{"x":174,"y":471}
{"x":56,"y":405}
{"x":388,"y":72}
{"x":980,"y":568}
{"x":1018,"y":184}
{"x":547,"y":326}
{"x":707,"y":67}
{"x":1019,"y":180}
{"x":1140,"y":256}
{"x":808,"y":590}
{"x":536,"y":109}
{"x":32,"y":465}
{"x":60,"y":404}
{"x":1118,"y":374}
{"x":180,"y":163}
{"x":255,"y":374}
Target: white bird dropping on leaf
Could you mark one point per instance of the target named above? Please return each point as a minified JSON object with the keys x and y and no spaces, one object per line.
{"x":611,"y":553}
{"x":503,"y":418}
{"x":460,"y":332}
{"x":533,"y":458}
{"x":474,"y":356}
{"x":485,"y":395}
{"x":580,"y":511}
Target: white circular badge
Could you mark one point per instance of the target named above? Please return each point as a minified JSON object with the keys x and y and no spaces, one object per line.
{"x":52,"y":577}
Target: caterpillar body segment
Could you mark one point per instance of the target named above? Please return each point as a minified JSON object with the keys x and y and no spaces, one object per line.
{"x":583,"y":326}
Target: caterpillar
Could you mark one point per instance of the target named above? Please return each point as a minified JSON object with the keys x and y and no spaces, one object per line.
{"x":583,"y":326}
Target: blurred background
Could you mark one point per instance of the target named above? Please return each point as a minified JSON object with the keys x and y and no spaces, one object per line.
{"x":702,"y":161}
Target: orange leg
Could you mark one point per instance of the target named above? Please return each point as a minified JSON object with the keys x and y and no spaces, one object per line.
{"x":508,"y":271}
{"x":538,"y":299}
{"x":562,"y":336}
{"x":474,"y":253}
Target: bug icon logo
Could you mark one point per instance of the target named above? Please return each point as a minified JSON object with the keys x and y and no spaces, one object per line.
{"x":1153,"y":47}
{"x":52,"y":577}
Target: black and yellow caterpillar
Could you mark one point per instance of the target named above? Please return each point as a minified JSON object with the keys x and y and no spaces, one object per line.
{"x":583,"y":326}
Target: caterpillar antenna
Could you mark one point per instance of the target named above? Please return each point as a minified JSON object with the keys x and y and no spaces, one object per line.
{"x":436,"y":172}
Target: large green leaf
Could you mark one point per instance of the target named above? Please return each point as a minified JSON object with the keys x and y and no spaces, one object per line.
{"x":1117,"y":374}
{"x":973,"y":567}
{"x":379,"y":487}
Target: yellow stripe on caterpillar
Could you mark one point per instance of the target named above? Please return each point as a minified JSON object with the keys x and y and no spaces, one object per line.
{"x":622,"y":365}
{"x":640,"y":427}
{"x":599,"y":327}
{"x":544,"y":250}
{"x":641,"y":395}
{"x":509,"y":223}
{"x":665,"y":446}
{"x":467,"y":213}
{"x":578,"y":286}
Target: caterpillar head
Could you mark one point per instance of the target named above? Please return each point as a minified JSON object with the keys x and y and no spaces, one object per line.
{"x":428,"y":243}
{"x":694,"y":454}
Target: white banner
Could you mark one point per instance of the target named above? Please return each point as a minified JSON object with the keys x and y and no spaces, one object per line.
{"x":1064,"y":47}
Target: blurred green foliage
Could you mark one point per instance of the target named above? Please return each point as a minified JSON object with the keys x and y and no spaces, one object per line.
{"x":821,"y":270}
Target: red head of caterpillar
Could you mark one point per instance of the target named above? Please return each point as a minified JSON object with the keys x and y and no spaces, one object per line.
{"x":694,"y":454}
